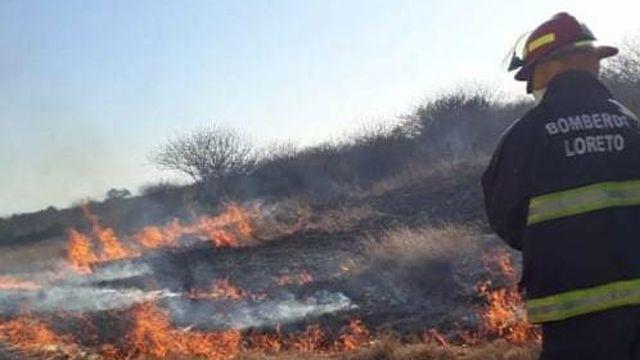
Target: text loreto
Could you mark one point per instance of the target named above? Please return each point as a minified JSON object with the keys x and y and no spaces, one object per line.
{"x":593,"y":144}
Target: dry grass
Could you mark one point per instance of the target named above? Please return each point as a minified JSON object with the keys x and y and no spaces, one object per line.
{"x":439,"y":242}
{"x":40,"y":255}
{"x":419,"y":172}
{"x":389,"y":348}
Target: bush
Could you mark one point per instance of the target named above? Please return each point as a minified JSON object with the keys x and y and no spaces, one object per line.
{"x":207,"y":154}
{"x":159,"y":188}
{"x":6,"y":233}
{"x":463,"y":123}
{"x":117,"y":194}
{"x":622,"y":74}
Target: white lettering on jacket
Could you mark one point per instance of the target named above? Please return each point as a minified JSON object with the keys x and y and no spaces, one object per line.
{"x":594,"y":144}
{"x":599,"y":121}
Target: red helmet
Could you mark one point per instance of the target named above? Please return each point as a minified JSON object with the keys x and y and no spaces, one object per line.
{"x":562,"y":33}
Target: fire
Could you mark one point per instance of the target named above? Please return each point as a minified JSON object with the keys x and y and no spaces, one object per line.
{"x":354,"y":336}
{"x":504,"y":313}
{"x":33,"y":336}
{"x":313,"y":339}
{"x":80,"y":252}
{"x":153,"y":237}
{"x":221,"y":290}
{"x":9,"y":283}
{"x":232,"y":228}
{"x":302,"y":278}
{"x":228,"y":229}
{"x":214,"y":228}
{"x":268,"y":343}
{"x":153,"y":336}
{"x":112,"y":248}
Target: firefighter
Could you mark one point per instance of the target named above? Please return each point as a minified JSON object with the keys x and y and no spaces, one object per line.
{"x":563,"y":187}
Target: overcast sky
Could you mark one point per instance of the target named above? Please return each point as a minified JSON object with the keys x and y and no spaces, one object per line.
{"x":89,"y":88}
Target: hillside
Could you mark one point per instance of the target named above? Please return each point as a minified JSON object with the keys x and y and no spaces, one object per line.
{"x":371,"y":248}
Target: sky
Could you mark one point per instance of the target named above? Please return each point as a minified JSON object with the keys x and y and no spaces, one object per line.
{"x":88,"y":89}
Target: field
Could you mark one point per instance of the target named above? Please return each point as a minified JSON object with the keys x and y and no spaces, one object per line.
{"x":403,"y":270}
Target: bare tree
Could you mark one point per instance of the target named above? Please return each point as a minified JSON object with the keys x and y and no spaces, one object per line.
{"x":206,"y":153}
{"x":626,"y":66}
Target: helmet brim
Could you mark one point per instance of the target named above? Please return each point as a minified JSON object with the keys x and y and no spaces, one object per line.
{"x":604,"y":51}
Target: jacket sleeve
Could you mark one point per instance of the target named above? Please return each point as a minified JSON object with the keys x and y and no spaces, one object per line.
{"x":505,"y":188}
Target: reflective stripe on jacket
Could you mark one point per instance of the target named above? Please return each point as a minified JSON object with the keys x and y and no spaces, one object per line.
{"x":563,"y":186}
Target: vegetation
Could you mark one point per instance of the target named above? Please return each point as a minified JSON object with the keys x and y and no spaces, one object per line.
{"x":450,"y":129}
{"x":206,"y":154}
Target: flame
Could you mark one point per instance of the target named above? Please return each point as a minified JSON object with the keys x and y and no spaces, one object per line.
{"x":153,"y":336}
{"x":228,"y":229}
{"x":34,"y":336}
{"x":223,"y":289}
{"x":301,"y":278}
{"x":220,"y":290}
{"x":80,"y":252}
{"x":268,"y":343}
{"x":214,"y":228}
{"x":504,"y":313}
{"x":112,"y":248}
{"x":312,"y":339}
{"x":153,"y":237}
{"x":9,"y":283}
{"x":354,"y":336}
{"x":231,"y":228}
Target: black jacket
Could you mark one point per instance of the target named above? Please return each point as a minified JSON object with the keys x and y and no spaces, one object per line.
{"x":564,"y":188}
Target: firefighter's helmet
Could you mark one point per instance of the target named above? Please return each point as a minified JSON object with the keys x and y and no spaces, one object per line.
{"x":561,"y":34}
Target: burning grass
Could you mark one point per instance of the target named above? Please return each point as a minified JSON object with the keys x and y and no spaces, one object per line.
{"x":147,"y":330}
{"x":231,"y":228}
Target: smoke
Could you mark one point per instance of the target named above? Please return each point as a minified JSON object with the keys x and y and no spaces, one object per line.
{"x":112,"y":272}
{"x":82,"y":299}
{"x":287,"y":308}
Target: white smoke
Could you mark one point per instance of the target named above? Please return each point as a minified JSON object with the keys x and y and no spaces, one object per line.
{"x":267,"y":313}
{"x":83,"y":299}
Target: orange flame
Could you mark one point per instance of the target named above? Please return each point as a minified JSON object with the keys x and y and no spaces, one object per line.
{"x":80,"y":252}
{"x":30,"y":335}
{"x":153,"y":336}
{"x":354,"y":336}
{"x":228,"y":229}
{"x":302,"y":278}
{"x":221,"y":289}
{"x":313,"y":339}
{"x":504,"y":313}
{"x":112,"y":249}
{"x":232,"y":228}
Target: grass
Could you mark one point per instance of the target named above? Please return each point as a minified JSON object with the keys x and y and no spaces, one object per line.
{"x":389,"y":348}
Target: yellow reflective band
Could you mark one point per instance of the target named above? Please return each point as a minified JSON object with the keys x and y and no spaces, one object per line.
{"x":541,"y":41}
{"x":583,"y":200}
{"x":583,"y":43}
{"x":584,"y":301}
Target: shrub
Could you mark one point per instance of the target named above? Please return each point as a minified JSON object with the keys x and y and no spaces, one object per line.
{"x":206,"y":154}
{"x":117,"y":194}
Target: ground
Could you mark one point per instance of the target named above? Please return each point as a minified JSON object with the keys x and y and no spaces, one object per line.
{"x":404,"y":257}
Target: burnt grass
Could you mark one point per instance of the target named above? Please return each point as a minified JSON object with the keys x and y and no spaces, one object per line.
{"x":406,"y":296}
{"x":402,"y":295}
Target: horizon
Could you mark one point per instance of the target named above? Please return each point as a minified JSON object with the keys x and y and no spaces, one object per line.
{"x":90,"y":89}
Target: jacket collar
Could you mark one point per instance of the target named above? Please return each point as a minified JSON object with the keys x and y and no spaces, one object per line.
{"x":575,"y":84}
